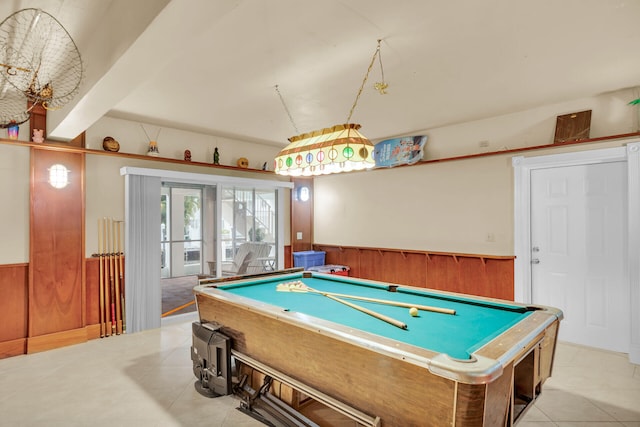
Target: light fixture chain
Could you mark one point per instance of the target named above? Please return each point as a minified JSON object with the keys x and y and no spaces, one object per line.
{"x":287,"y":110}
{"x":380,"y":61}
{"x":364,"y":81}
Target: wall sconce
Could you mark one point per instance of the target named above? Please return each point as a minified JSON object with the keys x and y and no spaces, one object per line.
{"x":58,"y":176}
{"x":303,"y":194}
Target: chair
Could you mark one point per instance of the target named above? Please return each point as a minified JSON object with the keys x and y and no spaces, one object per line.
{"x":246,"y":259}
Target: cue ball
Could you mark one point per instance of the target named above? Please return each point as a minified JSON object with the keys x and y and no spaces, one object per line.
{"x":413,"y":311}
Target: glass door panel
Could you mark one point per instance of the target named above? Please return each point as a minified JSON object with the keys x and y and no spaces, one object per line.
{"x":248,"y":216}
{"x":181,"y":231}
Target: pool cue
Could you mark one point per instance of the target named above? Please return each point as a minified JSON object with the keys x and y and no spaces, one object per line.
{"x":107,"y":293}
{"x":111,"y":277}
{"x":117,"y":281}
{"x":305,"y":288}
{"x":101,"y":282}
{"x":375,"y":314}
{"x":121,"y":271}
{"x":399,"y":303}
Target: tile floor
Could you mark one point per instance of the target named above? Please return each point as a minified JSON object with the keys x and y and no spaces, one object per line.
{"x":146,"y":379}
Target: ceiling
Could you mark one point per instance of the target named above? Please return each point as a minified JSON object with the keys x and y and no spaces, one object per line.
{"x":212,"y":66}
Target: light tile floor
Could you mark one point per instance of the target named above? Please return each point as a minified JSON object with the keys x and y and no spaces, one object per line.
{"x":146,"y":379}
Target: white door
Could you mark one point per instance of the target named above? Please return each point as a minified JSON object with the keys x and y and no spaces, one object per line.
{"x":579,"y":251}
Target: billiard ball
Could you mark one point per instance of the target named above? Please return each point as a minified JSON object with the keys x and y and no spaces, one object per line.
{"x":413,"y":311}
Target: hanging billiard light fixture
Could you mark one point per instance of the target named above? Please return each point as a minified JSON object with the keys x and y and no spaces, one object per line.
{"x":340,"y":148}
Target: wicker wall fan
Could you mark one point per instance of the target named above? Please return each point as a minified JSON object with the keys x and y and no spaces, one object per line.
{"x":39,"y":64}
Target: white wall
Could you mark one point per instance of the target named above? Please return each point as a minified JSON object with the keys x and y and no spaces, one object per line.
{"x":14,"y":211}
{"x":105,"y":189}
{"x":105,"y":186}
{"x":173,"y":142}
{"x":463,"y":206}
{"x":454,"y":206}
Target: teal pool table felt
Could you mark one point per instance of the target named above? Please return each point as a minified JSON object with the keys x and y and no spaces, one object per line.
{"x":476,"y":322}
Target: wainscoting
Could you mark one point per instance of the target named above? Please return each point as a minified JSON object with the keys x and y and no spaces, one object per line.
{"x":14,"y":288}
{"x":482,"y":275}
{"x":14,"y":313}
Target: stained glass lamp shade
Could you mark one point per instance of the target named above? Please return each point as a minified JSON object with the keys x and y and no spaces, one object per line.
{"x":340,"y":148}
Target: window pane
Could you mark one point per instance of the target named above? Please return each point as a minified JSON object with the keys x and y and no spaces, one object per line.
{"x":192,"y":258}
{"x":165,"y":257}
{"x":181,"y":230}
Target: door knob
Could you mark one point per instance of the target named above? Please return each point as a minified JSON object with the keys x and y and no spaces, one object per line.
{"x":535,"y":261}
{"x":535,"y":249}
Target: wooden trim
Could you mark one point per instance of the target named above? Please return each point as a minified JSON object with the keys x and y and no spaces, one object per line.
{"x":78,"y":141}
{"x":65,"y":146}
{"x":14,"y":290}
{"x":288,"y":256}
{"x":535,"y":147}
{"x":56,"y":340}
{"x":93,"y":331}
{"x":13,"y":348}
{"x":37,"y":118}
{"x":56,"y":245}
{"x":83,"y":240}
{"x":19,"y":264}
{"x":92,"y":305}
{"x":341,"y":248}
{"x":302,"y":215}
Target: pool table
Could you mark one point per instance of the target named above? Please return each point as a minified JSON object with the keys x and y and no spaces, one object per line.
{"x":482,"y":365}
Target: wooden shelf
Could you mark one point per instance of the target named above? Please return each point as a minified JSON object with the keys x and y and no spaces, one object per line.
{"x":62,"y":146}
{"x":535,"y":147}
{"x":404,"y":252}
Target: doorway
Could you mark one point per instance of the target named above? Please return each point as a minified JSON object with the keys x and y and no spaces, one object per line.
{"x":143,"y":188}
{"x":181,"y":230}
{"x":579,"y":251}
{"x":538,"y":243}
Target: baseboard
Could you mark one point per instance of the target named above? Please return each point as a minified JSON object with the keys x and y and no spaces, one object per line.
{"x":13,"y":348}
{"x":56,"y":340}
{"x":93,"y":331}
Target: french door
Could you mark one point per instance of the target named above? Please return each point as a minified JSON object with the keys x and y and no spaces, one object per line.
{"x":181,"y":230}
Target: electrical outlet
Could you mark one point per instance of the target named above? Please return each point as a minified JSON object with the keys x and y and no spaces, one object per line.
{"x":491,"y":237}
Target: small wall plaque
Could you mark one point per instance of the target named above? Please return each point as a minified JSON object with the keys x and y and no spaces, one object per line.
{"x":573,"y":127}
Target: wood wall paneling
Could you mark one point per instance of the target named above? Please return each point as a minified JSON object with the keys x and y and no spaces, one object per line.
{"x":56,"y":268}
{"x":288,"y":257}
{"x":13,"y":348}
{"x":343,"y":256}
{"x":14,"y":284}
{"x":38,"y":119}
{"x":301,"y":216}
{"x":56,"y":340}
{"x":92,"y":286}
{"x":475,"y":274}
